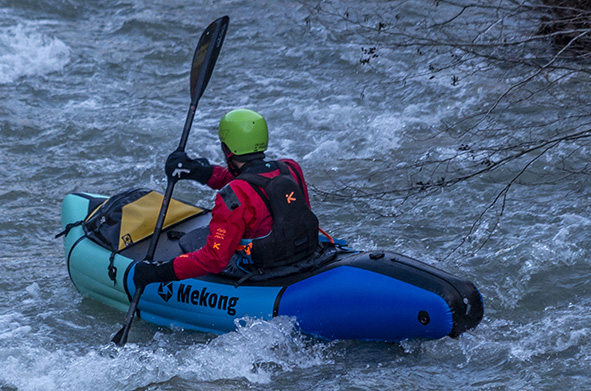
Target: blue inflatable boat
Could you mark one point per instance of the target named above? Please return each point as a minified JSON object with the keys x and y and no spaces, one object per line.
{"x":343,"y":294}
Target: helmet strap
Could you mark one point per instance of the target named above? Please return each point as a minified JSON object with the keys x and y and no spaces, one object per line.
{"x":229,"y":155}
{"x":232,"y":158}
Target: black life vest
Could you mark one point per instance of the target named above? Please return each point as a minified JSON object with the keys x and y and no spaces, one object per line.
{"x":294,"y":234}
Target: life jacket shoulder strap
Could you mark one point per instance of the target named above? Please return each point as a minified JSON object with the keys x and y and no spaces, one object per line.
{"x":259,"y":182}
{"x":262,"y":181}
{"x":296,"y":172}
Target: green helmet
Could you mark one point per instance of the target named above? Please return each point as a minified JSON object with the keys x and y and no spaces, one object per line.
{"x":244,"y":131}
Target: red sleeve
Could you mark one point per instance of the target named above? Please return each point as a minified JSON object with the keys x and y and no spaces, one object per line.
{"x":226,"y":229}
{"x":219,"y":178}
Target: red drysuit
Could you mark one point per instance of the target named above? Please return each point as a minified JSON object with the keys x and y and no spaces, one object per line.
{"x":239,"y":213}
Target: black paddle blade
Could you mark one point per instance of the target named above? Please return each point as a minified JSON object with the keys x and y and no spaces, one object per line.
{"x":205,"y":56}
{"x":120,"y":339}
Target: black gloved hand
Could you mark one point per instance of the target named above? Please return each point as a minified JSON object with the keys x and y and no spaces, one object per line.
{"x":148,"y":272}
{"x":180,"y":166}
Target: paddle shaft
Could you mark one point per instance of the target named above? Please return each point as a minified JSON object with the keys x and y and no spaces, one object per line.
{"x":213,"y":47}
{"x":120,"y":339}
{"x":170,"y":187}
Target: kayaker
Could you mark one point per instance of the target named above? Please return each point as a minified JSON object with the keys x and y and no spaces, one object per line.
{"x":254,"y":224}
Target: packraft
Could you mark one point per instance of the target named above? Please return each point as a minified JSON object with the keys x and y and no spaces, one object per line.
{"x":341,"y":293}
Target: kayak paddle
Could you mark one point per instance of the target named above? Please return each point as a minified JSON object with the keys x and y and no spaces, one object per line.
{"x":204,"y":60}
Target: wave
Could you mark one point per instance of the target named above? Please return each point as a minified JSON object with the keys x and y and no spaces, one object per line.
{"x":28,"y":52}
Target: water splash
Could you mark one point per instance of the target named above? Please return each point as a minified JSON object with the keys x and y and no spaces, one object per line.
{"x":255,"y":353}
{"x":28,"y":52}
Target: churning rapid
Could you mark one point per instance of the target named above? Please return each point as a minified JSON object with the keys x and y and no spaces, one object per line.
{"x":417,"y":132}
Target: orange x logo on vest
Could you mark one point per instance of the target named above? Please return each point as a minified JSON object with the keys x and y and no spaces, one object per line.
{"x":216,"y":246}
{"x":290,"y":197}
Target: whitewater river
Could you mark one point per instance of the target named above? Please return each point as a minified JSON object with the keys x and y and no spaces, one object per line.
{"x":94,"y":97}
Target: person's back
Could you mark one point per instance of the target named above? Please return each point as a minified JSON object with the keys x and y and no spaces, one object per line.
{"x":294,"y":234}
{"x":246,"y":222}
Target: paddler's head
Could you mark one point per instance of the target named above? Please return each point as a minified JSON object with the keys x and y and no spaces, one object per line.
{"x":244,"y":137}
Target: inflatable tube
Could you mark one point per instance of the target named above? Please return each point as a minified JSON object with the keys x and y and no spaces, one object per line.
{"x":379,"y":295}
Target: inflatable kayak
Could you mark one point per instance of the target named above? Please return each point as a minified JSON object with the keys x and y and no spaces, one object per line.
{"x":341,"y":294}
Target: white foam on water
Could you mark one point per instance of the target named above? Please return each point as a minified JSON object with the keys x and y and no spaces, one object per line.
{"x":256,"y":352}
{"x":11,"y":326}
{"x":24,"y":51}
{"x":351,"y":135}
{"x":560,"y":332}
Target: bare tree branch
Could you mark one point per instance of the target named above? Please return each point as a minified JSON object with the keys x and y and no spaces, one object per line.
{"x":547,"y":42}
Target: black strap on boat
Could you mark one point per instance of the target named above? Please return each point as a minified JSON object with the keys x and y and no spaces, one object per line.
{"x":175,"y":235}
{"x":69,"y":228}
{"x":81,"y":238}
{"x":112,"y":269}
{"x":248,"y":276}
